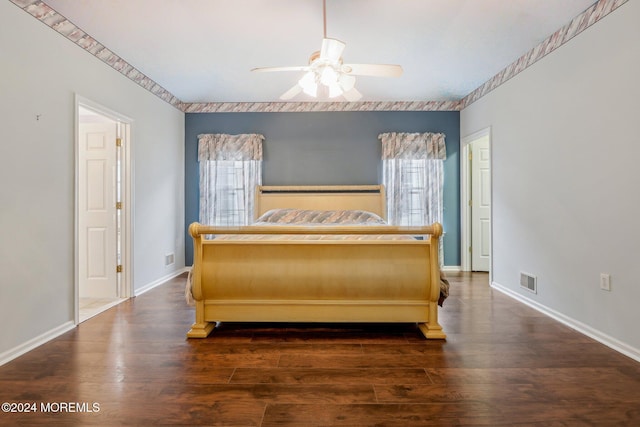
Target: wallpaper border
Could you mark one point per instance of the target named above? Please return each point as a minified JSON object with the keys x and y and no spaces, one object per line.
{"x":45,"y":14}
{"x":294,"y":107}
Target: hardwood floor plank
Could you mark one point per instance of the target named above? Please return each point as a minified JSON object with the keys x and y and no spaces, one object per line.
{"x":573,"y":414}
{"x":340,"y":334}
{"x":374,"y":415}
{"x":330,"y":376}
{"x":489,"y":394}
{"x":361,"y":361}
{"x":456,"y":376}
{"x":212,"y":347}
{"x":289,"y":393}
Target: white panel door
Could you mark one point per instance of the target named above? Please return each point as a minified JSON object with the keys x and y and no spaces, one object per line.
{"x":480,"y":205}
{"x":97,"y":255}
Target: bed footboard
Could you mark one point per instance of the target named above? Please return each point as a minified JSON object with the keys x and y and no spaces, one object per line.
{"x":294,"y":280}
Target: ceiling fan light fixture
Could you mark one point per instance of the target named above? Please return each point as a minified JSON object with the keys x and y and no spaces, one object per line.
{"x":328,"y":76}
{"x":308,"y":83}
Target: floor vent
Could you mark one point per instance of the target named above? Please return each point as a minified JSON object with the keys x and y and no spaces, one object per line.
{"x":529,"y":282}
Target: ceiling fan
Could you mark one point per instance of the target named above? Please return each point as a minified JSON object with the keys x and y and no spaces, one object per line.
{"x":327,"y":74}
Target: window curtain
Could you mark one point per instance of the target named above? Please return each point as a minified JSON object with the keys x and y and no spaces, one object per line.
{"x":412,"y":173}
{"x":230,"y":170}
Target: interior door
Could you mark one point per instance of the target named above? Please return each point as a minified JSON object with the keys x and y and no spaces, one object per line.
{"x":480,"y":205}
{"x":97,"y":232}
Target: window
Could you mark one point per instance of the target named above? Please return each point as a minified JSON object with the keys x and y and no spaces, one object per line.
{"x":414,"y":191}
{"x":229,"y":205}
{"x":413,"y":177}
{"x":230,"y":171}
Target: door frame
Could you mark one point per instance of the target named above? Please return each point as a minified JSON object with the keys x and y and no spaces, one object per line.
{"x":465,"y":197}
{"x":126,"y":282}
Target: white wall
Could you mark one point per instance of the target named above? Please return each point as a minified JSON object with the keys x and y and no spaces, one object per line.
{"x":40,"y":74}
{"x":566,"y":145}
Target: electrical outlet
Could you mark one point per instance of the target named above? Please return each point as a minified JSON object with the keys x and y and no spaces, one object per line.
{"x":605,"y":282}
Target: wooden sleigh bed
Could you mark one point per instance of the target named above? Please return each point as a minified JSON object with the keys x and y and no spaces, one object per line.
{"x":305,"y":273}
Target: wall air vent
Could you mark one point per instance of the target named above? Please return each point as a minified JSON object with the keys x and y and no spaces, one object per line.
{"x":169,"y":259}
{"x":529,"y":282}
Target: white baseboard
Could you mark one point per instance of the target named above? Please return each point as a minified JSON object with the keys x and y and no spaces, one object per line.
{"x":18,"y":351}
{"x":587,"y":330}
{"x":160,"y":281}
{"x":451,"y":268}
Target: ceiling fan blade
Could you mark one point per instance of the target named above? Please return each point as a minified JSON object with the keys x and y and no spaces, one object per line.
{"x":376,"y":70}
{"x":352,"y":95}
{"x":294,"y":68}
{"x":291,"y":92}
{"x":331,"y":49}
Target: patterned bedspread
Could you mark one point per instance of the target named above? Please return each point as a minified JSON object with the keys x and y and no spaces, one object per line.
{"x":302,"y":216}
{"x":317,"y":218}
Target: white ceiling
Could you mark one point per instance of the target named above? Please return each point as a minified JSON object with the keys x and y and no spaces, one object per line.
{"x":203,"y":50}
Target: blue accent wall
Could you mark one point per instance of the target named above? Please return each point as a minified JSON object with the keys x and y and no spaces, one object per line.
{"x":330,"y":148}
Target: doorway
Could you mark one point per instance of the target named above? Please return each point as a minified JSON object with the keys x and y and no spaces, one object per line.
{"x":476,"y":191}
{"x":102,"y":209}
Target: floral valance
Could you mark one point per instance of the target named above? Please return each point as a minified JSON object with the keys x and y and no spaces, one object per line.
{"x":221,"y":146}
{"x":398,"y":145}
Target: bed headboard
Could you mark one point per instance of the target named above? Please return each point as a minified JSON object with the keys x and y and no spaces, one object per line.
{"x":321,"y":197}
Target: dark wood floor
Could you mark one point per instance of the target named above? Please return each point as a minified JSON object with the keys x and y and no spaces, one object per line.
{"x":502,"y":364}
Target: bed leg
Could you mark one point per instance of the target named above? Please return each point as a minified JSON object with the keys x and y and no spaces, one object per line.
{"x":431,"y":331}
{"x":201,"y":330}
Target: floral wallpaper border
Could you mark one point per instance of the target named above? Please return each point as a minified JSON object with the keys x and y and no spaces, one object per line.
{"x":268,"y":107}
{"x":41,"y":11}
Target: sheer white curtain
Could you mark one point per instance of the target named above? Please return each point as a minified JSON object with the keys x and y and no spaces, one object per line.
{"x":413,"y":176}
{"x":230,"y":170}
